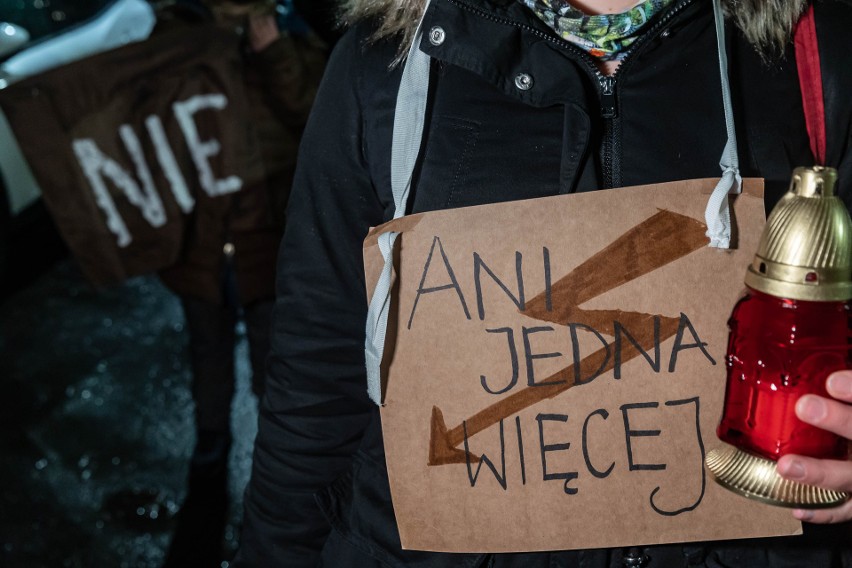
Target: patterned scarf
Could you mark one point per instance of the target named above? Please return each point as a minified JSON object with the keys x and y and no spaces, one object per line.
{"x":605,"y":36}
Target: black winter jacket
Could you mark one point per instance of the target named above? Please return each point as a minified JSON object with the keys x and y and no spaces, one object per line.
{"x":319,"y":491}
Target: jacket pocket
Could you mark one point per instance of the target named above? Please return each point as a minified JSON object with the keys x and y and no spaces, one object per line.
{"x":359,"y":509}
{"x":449,"y":149}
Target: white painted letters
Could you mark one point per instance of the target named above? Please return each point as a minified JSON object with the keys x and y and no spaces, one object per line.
{"x":169,"y":164}
{"x":98,"y":167}
{"x":202,"y":150}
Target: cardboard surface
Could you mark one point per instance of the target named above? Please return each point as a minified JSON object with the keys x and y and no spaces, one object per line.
{"x":554,"y":372}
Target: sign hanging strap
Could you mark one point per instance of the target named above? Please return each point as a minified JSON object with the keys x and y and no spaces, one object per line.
{"x":810,"y":82}
{"x":409,"y":117}
{"x":718,"y":215}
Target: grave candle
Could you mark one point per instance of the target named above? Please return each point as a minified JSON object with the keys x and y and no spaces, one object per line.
{"x":790,"y":330}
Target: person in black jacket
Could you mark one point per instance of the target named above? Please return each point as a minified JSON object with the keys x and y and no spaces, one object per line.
{"x":500,"y":127}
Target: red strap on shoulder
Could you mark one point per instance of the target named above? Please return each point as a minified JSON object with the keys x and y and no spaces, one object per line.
{"x":810,"y":82}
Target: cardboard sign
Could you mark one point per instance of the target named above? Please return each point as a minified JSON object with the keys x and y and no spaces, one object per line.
{"x":127,"y":144}
{"x":554,"y":372}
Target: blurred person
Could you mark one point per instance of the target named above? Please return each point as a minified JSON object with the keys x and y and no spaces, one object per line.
{"x":227,"y":270}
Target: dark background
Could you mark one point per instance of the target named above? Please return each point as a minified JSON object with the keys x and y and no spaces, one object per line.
{"x":96,"y":411}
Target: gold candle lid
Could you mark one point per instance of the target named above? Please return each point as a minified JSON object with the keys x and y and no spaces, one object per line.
{"x":805,"y":252}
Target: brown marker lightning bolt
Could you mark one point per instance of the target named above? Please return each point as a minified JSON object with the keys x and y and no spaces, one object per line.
{"x":659,"y":240}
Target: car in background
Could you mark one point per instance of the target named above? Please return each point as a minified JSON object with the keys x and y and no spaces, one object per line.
{"x":35,"y":36}
{"x":12,"y":38}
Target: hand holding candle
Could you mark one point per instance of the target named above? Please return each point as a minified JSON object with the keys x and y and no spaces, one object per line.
{"x":834,"y":415}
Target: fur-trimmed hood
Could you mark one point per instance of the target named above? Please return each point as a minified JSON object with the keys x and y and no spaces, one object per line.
{"x":767,"y":24}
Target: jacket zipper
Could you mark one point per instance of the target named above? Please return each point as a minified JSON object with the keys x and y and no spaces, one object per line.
{"x":611,"y":142}
{"x":610,"y":154}
{"x":607,"y":84}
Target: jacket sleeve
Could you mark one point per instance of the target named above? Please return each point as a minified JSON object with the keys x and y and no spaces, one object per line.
{"x":315,"y":408}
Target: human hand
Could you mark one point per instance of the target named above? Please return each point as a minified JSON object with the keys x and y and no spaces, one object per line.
{"x":262,"y":31}
{"x":834,"y":416}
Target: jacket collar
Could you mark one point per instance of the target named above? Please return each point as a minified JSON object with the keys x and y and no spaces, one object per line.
{"x":765,"y":23}
{"x":501,"y":41}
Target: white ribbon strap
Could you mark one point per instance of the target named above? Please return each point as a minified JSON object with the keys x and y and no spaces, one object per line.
{"x":718,"y":215}
{"x":409,"y":117}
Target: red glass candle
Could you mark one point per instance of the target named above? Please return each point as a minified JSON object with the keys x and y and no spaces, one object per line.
{"x":778,"y":350}
{"x":788,"y":333}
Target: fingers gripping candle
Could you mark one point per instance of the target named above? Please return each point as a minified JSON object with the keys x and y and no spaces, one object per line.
{"x":789,"y":331}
